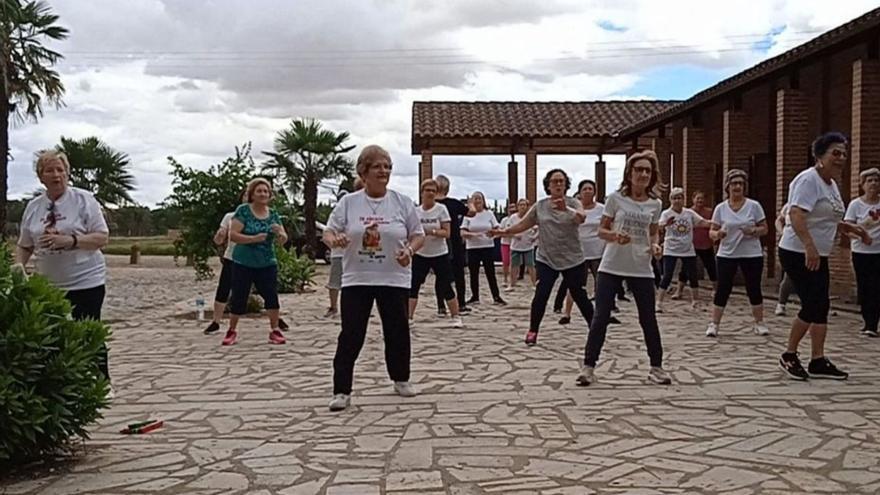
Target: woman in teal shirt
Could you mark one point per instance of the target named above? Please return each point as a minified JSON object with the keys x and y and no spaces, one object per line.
{"x":253,"y":229}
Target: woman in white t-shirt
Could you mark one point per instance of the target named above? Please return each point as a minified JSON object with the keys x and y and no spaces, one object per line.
{"x":865,"y":212}
{"x":64,"y":229}
{"x":815,"y":214}
{"x":679,"y":223}
{"x":630,"y":230}
{"x":480,"y":247}
{"x":505,"y":247}
{"x":434,"y":253}
{"x":738,"y":224}
{"x":591,"y":245}
{"x":380,"y":231}
{"x":522,"y":245}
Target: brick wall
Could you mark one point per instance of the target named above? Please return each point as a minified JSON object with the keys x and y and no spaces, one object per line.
{"x":532,"y":176}
{"x":735,"y":146}
{"x":694,"y":176}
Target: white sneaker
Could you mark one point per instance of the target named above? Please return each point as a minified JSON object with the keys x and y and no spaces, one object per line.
{"x":404,"y":389}
{"x":508,"y":288}
{"x":456,"y":322}
{"x":761,"y":329}
{"x":712,"y":330}
{"x":659,"y":376}
{"x":586,"y":377}
{"x":340,"y":402}
{"x":780,"y":310}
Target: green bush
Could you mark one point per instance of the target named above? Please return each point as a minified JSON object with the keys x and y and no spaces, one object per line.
{"x":147,"y":250}
{"x":50,"y":387}
{"x":295,"y":273}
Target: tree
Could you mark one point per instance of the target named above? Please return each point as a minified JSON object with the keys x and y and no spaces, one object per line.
{"x":98,"y":168}
{"x":27,"y":79}
{"x":304,"y":155}
{"x":202,"y":198}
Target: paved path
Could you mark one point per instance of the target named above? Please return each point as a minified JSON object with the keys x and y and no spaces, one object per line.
{"x":493,"y":416}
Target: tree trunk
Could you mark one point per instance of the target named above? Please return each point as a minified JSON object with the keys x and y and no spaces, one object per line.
{"x":310,"y":206}
{"x":4,"y":146}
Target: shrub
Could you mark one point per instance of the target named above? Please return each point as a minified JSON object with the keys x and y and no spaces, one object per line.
{"x":50,"y":385}
{"x":295,"y":273}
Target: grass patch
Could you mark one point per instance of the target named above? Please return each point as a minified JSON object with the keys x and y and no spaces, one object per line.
{"x":150,"y":246}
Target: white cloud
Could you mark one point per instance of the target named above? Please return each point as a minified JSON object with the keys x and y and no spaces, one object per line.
{"x":190,"y":79}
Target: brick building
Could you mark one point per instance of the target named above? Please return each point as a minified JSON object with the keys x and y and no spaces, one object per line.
{"x":761,"y":120}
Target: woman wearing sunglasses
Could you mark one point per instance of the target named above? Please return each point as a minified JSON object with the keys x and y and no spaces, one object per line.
{"x":64,"y":229}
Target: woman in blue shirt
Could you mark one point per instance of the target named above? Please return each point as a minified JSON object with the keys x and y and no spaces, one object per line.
{"x":253,"y":229}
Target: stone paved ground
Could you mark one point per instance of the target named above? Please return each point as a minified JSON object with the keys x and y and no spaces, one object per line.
{"x":492,"y":417}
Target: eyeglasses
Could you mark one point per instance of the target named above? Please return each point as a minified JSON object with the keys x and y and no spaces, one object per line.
{"x":50,"y":218}
{"x":839,"y":153}
{"x":557,"y":181}
{"x":642,"y":170}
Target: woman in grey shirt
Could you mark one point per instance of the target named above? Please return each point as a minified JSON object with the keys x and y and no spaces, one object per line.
{"x":559,"y":248}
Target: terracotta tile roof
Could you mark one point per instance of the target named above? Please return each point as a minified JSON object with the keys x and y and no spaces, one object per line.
{"x":451,"y":119}
{"x":849,"y":32}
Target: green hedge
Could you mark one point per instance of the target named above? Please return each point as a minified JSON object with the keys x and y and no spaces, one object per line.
{"x":50,"y":387}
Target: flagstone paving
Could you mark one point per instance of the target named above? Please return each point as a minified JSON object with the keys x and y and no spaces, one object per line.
{"x":492,"y":416}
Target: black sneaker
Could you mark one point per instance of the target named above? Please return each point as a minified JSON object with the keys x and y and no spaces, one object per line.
{"x":871,"y":333}
{"x":565,"y":320}
{"x":557,"y":310}
{"x":282,"y":325}
{"x":211,"y":329}
{"x":791,"y":365}
{"x":441,"y":311}
{"x":464,"y":309}
{"x":613,"y":321}
{"x":622,"y":298}
{"x":823,"y":368}
{"x":500,"y":302}
{"x":473,"y":302}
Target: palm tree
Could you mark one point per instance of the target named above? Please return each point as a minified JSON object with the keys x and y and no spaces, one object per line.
{"x":98,"y":168}
{"x":26,"y":75}
{"x":304,"y":155}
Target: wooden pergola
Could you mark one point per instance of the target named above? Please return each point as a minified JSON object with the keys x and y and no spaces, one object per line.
{"x":530,"y":129}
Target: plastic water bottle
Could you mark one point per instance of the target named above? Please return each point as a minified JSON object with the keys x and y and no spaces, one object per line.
{"x":200,"y":307}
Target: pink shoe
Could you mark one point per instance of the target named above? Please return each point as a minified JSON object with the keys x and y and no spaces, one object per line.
{"x":231,"y":337}
{"x":276,"y":337}
{"x":531,"y":338}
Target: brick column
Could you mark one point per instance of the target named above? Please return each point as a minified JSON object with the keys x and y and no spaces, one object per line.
{"x":663,"y":148}
{"x":694,"y":173}
{"x":532,"y":176}
{"x":792,"y":140}
{"x":865,"y":120}
{"x":512,"y":182}
{"x":735,"y":144}
{"x":426,"y":166}
{"x":601,"y":179}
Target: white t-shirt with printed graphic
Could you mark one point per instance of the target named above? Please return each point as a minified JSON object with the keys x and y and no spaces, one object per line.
{"x":635,"y":218}
{"x":678,"y":239}
{"x":588,"y":233}
{"x":76,"y":212}
{"x":737,"y":244}
{"x":433,"y":219}
{"x":824,"y":208}
{"x":506,"y":222}
{"x":480,"y":223}
{"x":378,"y":229}
{"x":868,"y":217}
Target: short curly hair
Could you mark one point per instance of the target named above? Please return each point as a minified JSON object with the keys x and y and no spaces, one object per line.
{"x":550,"y":174}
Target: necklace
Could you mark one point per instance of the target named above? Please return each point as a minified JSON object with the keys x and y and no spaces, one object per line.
{"x":375,"y":205}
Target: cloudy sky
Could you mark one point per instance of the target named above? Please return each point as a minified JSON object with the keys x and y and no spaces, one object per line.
{"x":194,"y":78}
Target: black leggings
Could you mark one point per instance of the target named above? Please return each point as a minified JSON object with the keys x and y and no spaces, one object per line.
{"x":811,"y":286}
{"x":643,"y":292}
{"x":572,"y":278}
{"x":356,"y":304}
{"x":224,"y":285}
{"x":707,"y":257}
{"x":442,"y":269}
{"x":486,"y":257}
{"x":86,"y":305}
{"x":458,"y":259}
{"x":688,"y":269}
{"x":265,"y":280}
{"x":591,"y":267}
{"x":867,"y":268}
{"x":752,"y":269}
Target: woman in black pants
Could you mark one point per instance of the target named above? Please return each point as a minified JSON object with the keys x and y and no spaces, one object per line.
{"x":815,"y":212}
{"x":865,"y":211}
{"x":481,"y":248}
{"x":630,"y":229}
{"x":738,"y":224}
{"x":379,"y":230}
{"x":559,"y":249}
